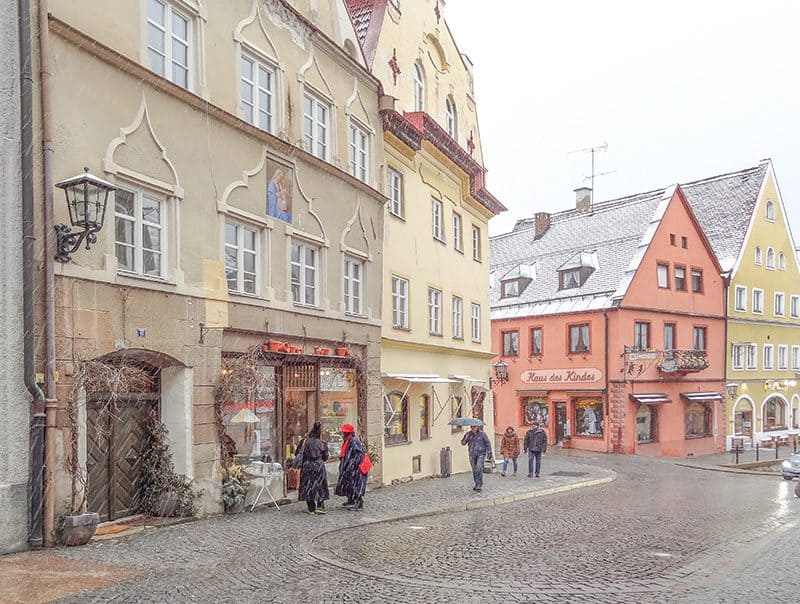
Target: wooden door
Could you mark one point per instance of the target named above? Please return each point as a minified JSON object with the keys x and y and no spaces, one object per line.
{"x":561,"y":421}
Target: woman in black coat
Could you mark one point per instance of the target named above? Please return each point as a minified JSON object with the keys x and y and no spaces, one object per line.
{"x":313,"y":476}
{"x":352,"y":481}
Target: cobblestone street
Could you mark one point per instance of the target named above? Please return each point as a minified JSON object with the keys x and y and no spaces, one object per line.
{"x":657,"y":533}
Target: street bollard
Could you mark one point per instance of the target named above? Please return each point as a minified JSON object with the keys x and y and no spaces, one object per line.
{"x":777,"y":447}
{"x":736,"y":451}
{"x":756,"y":451}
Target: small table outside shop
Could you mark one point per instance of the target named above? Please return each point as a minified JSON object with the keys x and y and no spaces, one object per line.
{"x":268,"y":473}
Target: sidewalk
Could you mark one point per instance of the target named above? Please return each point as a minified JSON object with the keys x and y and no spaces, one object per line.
{"x":102,"y":564}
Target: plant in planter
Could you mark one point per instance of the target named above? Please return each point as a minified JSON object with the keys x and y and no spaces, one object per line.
{"x":161,"y":491}
{"x":234,"y":488}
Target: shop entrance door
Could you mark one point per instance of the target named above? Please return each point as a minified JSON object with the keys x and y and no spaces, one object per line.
{"x":742,"y":423}
{"x":300,"y":384}
{"x":561,"y":421}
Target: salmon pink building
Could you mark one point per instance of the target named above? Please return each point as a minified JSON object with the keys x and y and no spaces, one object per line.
{"x":611,"y":319}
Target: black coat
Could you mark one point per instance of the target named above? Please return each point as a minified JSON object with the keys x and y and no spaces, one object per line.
{"x":313,"y":476}
{"x":352,"y":483}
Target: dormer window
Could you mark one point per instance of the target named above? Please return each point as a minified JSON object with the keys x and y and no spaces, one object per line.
{"x":577,"y":270}
{"x":515,"y":281}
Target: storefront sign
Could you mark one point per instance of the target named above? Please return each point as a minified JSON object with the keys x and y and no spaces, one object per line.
{"x":562,"y":376}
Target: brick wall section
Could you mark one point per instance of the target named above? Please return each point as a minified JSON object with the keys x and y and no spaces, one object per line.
{"x":616,"y":415}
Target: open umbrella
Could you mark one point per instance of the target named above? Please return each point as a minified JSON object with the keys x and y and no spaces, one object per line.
{"x":466,"y":421}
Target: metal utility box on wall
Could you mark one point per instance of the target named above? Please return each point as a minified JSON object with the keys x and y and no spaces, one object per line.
{"x":445,"y":462}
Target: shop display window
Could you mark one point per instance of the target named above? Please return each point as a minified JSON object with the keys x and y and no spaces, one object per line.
{"x":338,"y":405}
{"x":646,"y":424}
{"x":395,"y":418}
{"x":249,"y":417}
{"x":534,"y":410}
{"x":478,"y":395}
{"x":774,"y":414}
{"x":698,"y":420}
{"x":588,"y":417}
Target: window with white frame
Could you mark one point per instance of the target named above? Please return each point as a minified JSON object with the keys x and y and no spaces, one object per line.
{"x":451,"y":118}
{"x":435,"y":311}
{"x":738,"y":356}
{"x":458,"y":318}
{"x":770,"y":210}
{"x":758,"y":257}
{"x":257,"y":92}
{"x":399,"y":302}
{"x":140,"y":232}
{"x":305,"y":273}
{"x":770,"y":258}
{"x":169,"y":42}
{"x":419,"y":88}
{"x":758,"y":301}
{"x":316,"y":114}
{"x":396,"y":205}
{"x":437,"y":212}
{"x":796,"y":358}
{"x":740,"y":302}
{"x":662,"y":275}
{"x":353,"y":285}
{"x":458,"y":233}
{"x":782,"y":261}
{"x":783,"y":356}
{"x":476,"y":322}
{"x":476,"y":243}
{"x":768,"y":361}
{"x":795,"y":306}
{"x":241,"y":258}
{"x":359,"y":152}
{"x":779,"y":305}
{"x":752,"y":356}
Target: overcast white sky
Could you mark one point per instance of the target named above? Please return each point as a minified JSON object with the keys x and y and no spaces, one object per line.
{"x":679,"y":90}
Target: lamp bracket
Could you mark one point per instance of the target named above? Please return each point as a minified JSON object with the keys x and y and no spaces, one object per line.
{"x":68,"y":242}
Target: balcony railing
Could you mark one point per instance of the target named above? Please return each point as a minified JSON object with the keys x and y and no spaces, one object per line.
{"x":685,"y":361}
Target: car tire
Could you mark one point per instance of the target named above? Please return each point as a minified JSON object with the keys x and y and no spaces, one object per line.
{"x":785,"y":477}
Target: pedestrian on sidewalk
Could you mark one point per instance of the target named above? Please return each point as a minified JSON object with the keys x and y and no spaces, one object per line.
{"x":509,"y":449}
{"x":354,"y":466}
{"x":313,"y":476}
{"x":535,"y":445}
{"x":479,"y":448}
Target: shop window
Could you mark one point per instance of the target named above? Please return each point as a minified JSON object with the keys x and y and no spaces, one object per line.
{"x":338,"y":405}
{"x":395,"y":418}
{"x":698,"y":420}
{"x":537,"y":341}
{"x":579,"y":338}
{"x":774,"y":414}
{"x":534,"y":410}
{"x":424,"y":416}
{"x":646,"y":421}
{"x":588,"y":417}
{"x":456,"y":410}
{"x":510,"y":343}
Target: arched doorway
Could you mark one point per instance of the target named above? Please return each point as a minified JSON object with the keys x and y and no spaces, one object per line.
{"x":743,"y":418}
{"x":795,"y":411}
{"x":774,"y":413}
{"x":116,"y":420}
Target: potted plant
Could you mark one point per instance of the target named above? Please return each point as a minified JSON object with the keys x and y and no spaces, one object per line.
{"x":322,"y":351}
{"x":234,"y":488}
{"x":341,"y":351}
{"x":567,"y":442}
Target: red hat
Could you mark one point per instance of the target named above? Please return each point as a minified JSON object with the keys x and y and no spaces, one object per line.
{"x":347,"y":428}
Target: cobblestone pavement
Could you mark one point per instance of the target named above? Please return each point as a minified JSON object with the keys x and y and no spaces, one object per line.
{"x":658,"y":533}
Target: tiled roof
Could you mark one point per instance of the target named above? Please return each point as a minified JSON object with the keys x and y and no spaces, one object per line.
{"x":723,"y":206}
{"x":367,"y":17}
{"x":360,"y":13}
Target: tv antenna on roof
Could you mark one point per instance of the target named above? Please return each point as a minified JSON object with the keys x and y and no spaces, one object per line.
{"x":593,"y":150}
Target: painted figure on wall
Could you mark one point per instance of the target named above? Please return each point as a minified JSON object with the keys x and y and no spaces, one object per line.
{"x":279,"y":195}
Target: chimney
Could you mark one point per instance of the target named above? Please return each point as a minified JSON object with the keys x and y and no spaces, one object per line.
{"x":583,"y":199}
{"x":541,"y":223}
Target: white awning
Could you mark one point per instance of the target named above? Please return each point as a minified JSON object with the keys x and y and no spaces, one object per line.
{"x":419,"y":378}
{"x":467,"y":378}
{"x":702,"y":396}
{"x":654,"y":398}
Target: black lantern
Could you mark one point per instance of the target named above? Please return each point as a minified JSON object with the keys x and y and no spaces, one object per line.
{"x":87,"y":196}
{"x":500,"y":374}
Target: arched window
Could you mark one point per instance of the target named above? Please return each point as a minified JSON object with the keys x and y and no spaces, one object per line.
{"x":781,"y":261}
{"x":770,"y":210}
{"x":774,"y":417}
{"x":451,"y":118}
{"x":419,"y":88}
{"x":395,"y":418}
{"x":646,"y":424}
{"x":743,"y":418}
{"x":770,"y":258}
{"x":758,"y":255}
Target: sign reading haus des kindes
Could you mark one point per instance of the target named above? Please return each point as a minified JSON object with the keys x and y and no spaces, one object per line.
{"x":587,"y":375}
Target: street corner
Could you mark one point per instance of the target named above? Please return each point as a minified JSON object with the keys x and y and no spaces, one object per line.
{"x":34,"y":577}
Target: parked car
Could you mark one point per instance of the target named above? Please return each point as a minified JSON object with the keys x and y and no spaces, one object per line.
{"x":791,"y":467}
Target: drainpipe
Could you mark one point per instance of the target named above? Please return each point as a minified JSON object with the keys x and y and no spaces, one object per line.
{"x":49,"y":275}
{"x":36,"y":442}
{"x":726,"y":282}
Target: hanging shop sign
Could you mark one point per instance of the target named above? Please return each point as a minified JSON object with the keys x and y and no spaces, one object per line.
{"x":586,"y":375}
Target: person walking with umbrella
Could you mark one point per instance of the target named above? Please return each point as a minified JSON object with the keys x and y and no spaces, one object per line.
{"x":479,"y":448}
{"x":313,"y":476}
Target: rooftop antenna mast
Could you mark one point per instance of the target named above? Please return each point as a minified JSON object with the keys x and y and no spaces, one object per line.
{"x":593,"y":150}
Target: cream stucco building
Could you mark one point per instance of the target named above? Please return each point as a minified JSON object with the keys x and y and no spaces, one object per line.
{"x":435,"y":347}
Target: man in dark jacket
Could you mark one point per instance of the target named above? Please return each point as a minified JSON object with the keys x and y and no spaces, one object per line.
{"x":479,"y":448}
{"x":535,"y":444}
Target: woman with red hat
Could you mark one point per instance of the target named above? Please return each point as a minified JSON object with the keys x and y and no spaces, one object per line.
{"x":354,"y":465}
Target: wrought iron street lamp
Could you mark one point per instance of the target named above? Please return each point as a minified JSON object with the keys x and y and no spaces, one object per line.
{"x":87,"y":196}
{"x":500,"y":374}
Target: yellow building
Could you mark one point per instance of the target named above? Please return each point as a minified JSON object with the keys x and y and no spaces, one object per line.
{"x":435,"y":346}
{"x":745,"y":219}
